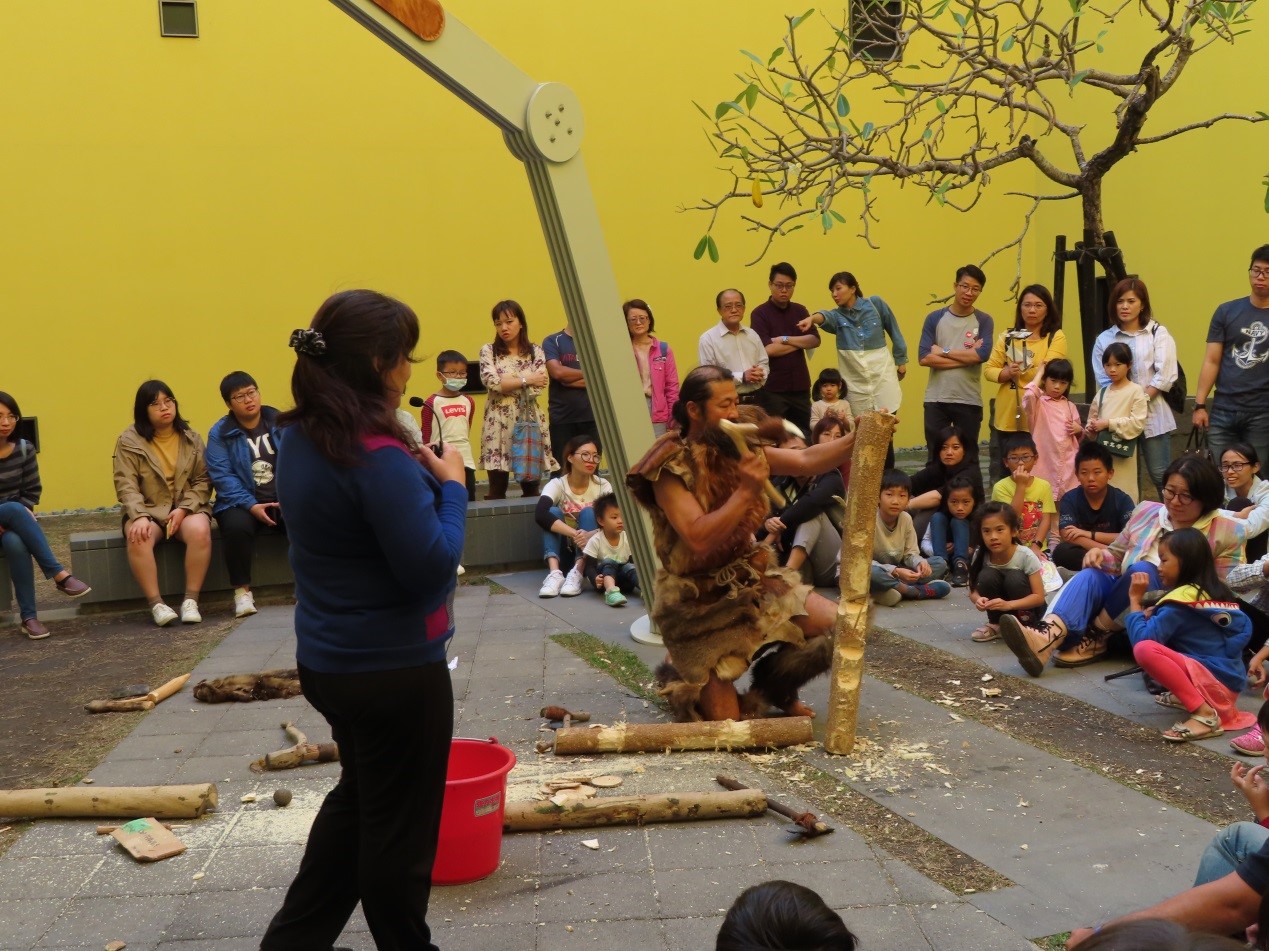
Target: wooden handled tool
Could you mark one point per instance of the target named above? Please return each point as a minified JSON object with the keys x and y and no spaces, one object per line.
{"x":133,"y":704}
{"x":738,"y":432}
{"x":806,"y":824}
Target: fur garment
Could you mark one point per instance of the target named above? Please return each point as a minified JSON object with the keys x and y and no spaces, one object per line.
{"x":267,"y":685}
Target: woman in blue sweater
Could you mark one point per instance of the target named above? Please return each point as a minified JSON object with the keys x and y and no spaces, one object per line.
{"x":376,"y":535}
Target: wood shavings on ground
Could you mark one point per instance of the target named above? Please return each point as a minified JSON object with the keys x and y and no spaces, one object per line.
{"x":874,"y":762}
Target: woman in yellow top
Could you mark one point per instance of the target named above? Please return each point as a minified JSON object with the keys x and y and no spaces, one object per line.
{"x":162,"y":484}
{"x":1014,"y":361}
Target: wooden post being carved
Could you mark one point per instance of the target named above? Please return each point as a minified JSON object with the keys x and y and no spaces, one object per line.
{"x":868,"y":460}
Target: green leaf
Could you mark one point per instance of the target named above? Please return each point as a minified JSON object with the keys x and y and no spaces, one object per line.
{"x":700,"y":109}
{"x":751,"y":96}
{"x":700,"y":248}
{"x":830,"y":63}
{"x":753,"y":56}
{"x":941,"y":106}
{"x":797,"y":21}
{"x":1007,"y":45}
{"x":827,"y":220}
{"x":779,"y":51}
{"x":712,"y":248}
{"x":939,"y":8}
{"x":838,"y":215}
{"x":721,"y":109}
{"x":794,"y":228}
{"x":867,"y":130}
{"x":940,"y":193}
{"x":787,"y":91}
{"x":960,"y":18}
{"x":843,"y":105}
{"x":1078,"y":78}
{"x":927,"y":134}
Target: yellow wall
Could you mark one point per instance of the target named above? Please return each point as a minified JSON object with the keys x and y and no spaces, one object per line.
{"x":175,"y":207}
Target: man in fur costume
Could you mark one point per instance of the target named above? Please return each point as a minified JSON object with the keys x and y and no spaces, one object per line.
{"x":721,"y":598}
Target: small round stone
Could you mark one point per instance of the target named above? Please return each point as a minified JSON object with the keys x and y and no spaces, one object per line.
{"x":282,"y":797}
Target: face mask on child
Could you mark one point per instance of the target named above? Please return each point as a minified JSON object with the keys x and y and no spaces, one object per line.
{"x":455,"y":385}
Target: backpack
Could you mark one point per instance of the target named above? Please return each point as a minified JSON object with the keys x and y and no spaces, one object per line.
{"x":1176,"y":396}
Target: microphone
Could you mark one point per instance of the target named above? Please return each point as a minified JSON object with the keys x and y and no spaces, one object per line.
{"x":420,"y":402}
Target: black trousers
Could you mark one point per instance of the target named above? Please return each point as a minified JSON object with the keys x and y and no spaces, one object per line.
{"x":374,"y":838}
{"x":794,"y":406}
{"x":238,"y":530}
{"x":1069,"y":555}
{"x":968,"y":419}
{"x":1010,"y":585}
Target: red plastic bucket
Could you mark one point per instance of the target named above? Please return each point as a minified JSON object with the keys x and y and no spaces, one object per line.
{"x":471,"y":818}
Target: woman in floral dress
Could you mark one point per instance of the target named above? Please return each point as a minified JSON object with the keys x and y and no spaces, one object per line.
{"x":513,"y":370}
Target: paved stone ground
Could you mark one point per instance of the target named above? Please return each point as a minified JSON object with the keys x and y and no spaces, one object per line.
{"x":1081,"y":848}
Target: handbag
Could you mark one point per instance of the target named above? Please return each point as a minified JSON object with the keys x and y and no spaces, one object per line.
{"x":1114,"y":445}
{"x":528,"y":454}
{"x":1196,"y":445}
{"x":1175,"y":395}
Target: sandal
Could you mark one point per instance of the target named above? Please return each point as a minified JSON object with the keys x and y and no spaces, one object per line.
{"x":1180,"y":733}
{"x":1168,"y":699}
{"x":985,"y":634}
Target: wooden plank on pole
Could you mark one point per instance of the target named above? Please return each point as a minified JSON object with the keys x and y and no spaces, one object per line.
{"x":868,"y":460}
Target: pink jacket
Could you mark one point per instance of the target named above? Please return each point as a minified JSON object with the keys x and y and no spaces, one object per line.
{"x":665,"y":380}
{"x":1049,"y":420}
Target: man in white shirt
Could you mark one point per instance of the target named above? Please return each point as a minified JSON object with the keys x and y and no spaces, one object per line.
{"x":734,"y":347}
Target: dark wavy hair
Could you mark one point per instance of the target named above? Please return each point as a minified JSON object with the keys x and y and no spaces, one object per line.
{"x":147,"y":393}
{"x":985,"y":511}
{"x":829,"y":375}
{"x":1195,"y":563}
{"x":572,"y":446}
{"x":340,"y":396}
{"x":1052,"y":316}
{"x":1202,"y":478}
{"x":1156,"y":934}
{"x":516,"y":311}
{"x":1122,"y":288}
{"x":642,"y":305}
{"x":9,"y":403}
{"x":777,"y":915}
{"x":696,"y":388}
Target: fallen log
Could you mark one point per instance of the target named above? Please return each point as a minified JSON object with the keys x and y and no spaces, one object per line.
{"x":135,"y":704}
{"x":534,"y":816}
{"x":703,"y":735}
{"x":161,"y":802}
{"x":301,"y":752}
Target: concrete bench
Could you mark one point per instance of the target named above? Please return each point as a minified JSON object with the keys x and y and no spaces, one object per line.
{"x":498,"y":533}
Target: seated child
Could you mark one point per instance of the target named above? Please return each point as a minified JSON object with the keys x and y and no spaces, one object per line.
{"x":1030,"y":496}
{"x":930,"y":494}
{"x":777,"y":915}
{"x":1192,"y":640}
{"x":829,"y":395}
{"x":898,"y":570}
{"x":448,"y":413}
{"x":1005,"y":577}
{"x":950,"y":525}
{"x":1238,"y":840}
{"x":606,"y":559}
{"x":1092,"y":514}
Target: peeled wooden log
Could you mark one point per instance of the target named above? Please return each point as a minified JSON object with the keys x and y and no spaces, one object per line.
{"x":534,"y":816}
{"x":135,"y":704}
{"x":297,"y":755}
{"x":161,"y":802}
{"x":703,"y":735}
{"x":868,"y":459}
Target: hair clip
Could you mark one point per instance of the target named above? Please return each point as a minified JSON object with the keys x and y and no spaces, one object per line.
{"x":309,"y":342}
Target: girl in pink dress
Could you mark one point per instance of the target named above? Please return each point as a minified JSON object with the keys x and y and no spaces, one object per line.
{"x":1055,"y":424}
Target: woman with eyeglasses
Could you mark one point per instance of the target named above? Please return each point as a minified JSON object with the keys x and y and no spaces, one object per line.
{"x":1091,"y":606}
{"x":655,"y":360}
{"x":566,"y":518}
{"x":1247,"y":496}
{"x":21,"y":537}
{"x":162,"y":485}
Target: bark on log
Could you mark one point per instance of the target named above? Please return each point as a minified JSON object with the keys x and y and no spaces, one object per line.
{"x":704,"y":735}
{"x":633,"y":810}
{"x":297,"y":755}
{"x":136,"y":704}
{"x":161,"y":802}
{"x":868,"y":459}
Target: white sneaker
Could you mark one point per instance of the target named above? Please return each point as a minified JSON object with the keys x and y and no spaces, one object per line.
{"x":551,"y":586}
{"x":244,"y":603}
{"x":162,"y":614}
{"x":189,"y":612}
{"x":573,"y":583}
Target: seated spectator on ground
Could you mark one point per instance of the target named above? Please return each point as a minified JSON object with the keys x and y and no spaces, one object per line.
{"x":808,"y":531}
{"x":932,"y":492}
{"x":1092,"y":514}
{"x":1191,"y":641}
{"x":780,"y":916}
{"x":1250,"y":583}
{"x":1239,"y":840}
{"x":566,"y":517}
{"x":899,"y":572}
{"x":606,"y":560}
{"x":1090,"y":606}
{"x":828,"y":429}
{"x":1030,"y":496}
{"x":1005,"y":577}
{"x":1246,"y":495}
{"x":21,"y":537}
{"x":161,"y":482}
{"x":241,"y":462}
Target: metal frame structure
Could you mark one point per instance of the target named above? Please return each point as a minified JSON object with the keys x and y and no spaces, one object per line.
{"x":543,"y":126}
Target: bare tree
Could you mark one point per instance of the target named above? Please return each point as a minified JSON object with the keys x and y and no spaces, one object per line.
{"x":956,"y":89}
